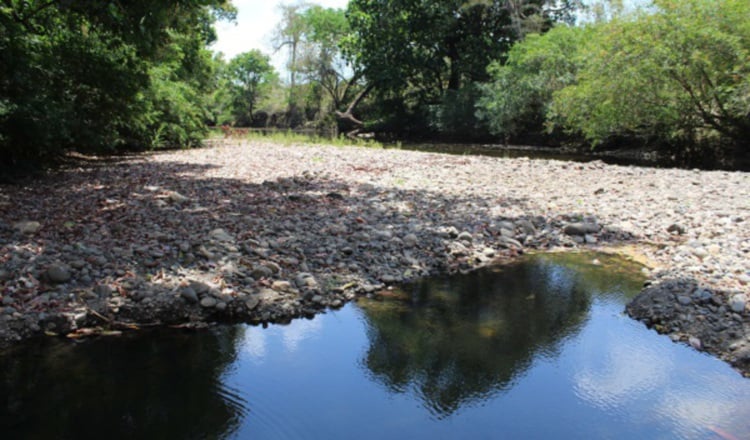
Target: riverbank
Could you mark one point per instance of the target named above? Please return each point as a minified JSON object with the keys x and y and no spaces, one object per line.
{"x":258,"y":232}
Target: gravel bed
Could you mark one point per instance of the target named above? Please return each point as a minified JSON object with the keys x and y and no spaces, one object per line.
{"x":262,"y":233}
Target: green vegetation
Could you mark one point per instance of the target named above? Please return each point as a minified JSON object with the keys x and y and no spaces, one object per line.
{"x":108,"y":76}
{"x":288,"y":137}
{"x":674,"y":76}
{"x":103,"y":76}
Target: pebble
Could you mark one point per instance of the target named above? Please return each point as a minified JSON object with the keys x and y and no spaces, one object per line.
{"x":189,"y":294}
{"x":695,"y":342}
{"x":252,"y":302}
{"x":208,"y":302}
{"x":737,"y":303}
{"x":410,"y":240}
{"x":28,"y":227}
{"x":58,"y":274}
{"x":581,"y":228}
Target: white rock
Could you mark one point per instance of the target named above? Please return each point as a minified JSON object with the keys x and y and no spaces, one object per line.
{"x":737,"y":303}
{"x":27,"y":227}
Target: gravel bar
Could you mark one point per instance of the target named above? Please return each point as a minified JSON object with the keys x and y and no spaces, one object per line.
{"x":259,"y":232}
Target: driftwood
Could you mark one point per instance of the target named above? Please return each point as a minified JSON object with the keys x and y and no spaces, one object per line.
{"x":348,"y":115}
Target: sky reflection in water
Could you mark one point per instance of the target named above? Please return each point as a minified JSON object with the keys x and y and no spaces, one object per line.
{"x":534,"y":350}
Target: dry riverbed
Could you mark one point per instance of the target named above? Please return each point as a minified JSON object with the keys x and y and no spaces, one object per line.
{"x":264,"y":233}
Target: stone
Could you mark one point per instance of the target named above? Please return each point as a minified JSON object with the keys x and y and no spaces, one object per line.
{"x":273,"y":267}
{"x":220,"y":235}
{"x":205,"y":253}
{"x":590,"y":239}
{"x":388,"y":279}
{"x":684,"y":300}
{"x":466,"y":237}
{"x":695,"y":342}
{"x":252,"y":302}
{"x":268,"y":295}
{"x":58,"y":274}
{"x":700,"y":252}
{"x":676,"y":229}
{"x":103,"y":290}
{"x":526,"y":227}
{"x":581,"y":228}
{"x":200,"y":287}
{"x":744,"y":279}
{"x":189,"y":294}
{"x":510,"y":243}
{"x":176,"y":197}
{"x":457,"y":249}
{"x":410,"y":240}
{"x":27,"y":227}
{"x":737,"y":303}
{"x":208,"y":302}
{"x":306,"y":281}
{"x":261,"y":271}
{"x":701,"y":295}
{"x":282,"y":286}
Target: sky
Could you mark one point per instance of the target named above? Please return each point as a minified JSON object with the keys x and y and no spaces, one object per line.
{"x":256,"y":20}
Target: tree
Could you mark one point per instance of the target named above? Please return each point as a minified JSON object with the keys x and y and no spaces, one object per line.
{"x":289,"y":34}
{"x":90,"y":75}
{"x":680,"y":75}
{"x":249,"y":75}
{"x":517,"y":100}
{"x":414,"y":51}
{"x":323,"y":62}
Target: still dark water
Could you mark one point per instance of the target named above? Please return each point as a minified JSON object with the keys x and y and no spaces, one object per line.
{"x":539,"y":349}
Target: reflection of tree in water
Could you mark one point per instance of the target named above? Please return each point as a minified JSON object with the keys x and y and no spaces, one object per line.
{"x":458,"y":340}
{"x":157,"y":386}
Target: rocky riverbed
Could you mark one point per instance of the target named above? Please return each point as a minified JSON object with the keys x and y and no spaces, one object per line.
{"x":261,"y":233}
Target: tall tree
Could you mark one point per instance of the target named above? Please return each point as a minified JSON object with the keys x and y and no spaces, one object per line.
{"x":414,"y":51}
{"x":249,"y":75}
{"x":84,"y":74}
{"x":288,"y":34}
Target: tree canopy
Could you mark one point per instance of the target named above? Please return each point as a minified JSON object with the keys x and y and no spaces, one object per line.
{"x":102,"y":75}
{"x":674,"y":75}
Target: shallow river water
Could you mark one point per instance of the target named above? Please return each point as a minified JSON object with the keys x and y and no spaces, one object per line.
{"x":538,"y":349}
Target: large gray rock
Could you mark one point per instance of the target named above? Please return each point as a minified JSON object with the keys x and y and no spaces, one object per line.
{"x":581,"y":228}
{"x":27,"y":227}
{"x":58,"y":273}
{"x":189,"y":294}
{"x":208,"y":302}
{"x":220,"y":235}
{"x":737,"y":303}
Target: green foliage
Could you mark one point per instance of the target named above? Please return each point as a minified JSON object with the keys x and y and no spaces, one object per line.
{"x":456,"y":113}
{"x":517,"y":100}
{"x":322,"y":62}
{"x":102,"y":76}
{"x":289,"y":137}
{"x":249,"y":76}
{"x":680,"y":75}
{"x":422,"y":54}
